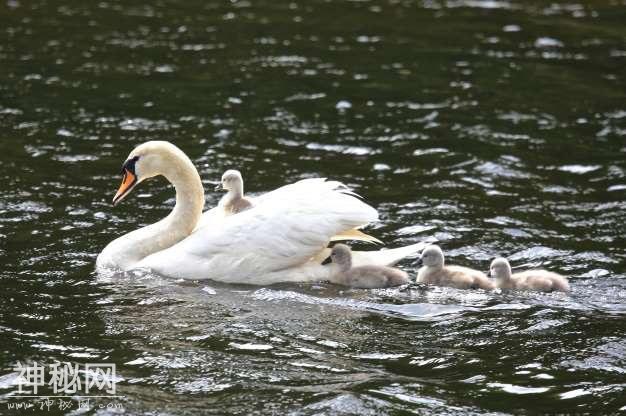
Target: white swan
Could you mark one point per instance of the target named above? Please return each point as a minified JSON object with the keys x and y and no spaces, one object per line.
{"x":365,"y":277}
{"x":538,"y":280}
{"x":234,"y":201}
{"x":434,"y":272}
{"x":282,"y":238}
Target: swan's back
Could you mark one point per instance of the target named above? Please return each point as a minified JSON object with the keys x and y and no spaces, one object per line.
{"x":284,"y":229}
{"x":311,"y":186}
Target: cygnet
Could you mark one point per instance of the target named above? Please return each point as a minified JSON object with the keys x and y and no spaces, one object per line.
{"x":234,"y":201}
{"x":435,"y":272}
{"x":539,"y":280}
{"x":365,"y":277}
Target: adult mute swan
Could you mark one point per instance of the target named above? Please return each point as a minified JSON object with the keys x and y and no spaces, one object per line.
{"x":539,"y":280}
{"x":283,"y":237}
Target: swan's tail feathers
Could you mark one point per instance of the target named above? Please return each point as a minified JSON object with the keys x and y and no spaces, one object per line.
{"x":351,"y":193}
{"x":386,"y":257}
{"x":356,"y":235}
{"x":341,"y":187}
{"x":322,"y":257}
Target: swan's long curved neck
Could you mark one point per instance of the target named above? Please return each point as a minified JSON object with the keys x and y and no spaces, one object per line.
{"x":189,"y":199}
{"x":129,"y":249}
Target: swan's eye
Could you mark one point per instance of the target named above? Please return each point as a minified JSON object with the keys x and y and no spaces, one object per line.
{"x":130,"y":165}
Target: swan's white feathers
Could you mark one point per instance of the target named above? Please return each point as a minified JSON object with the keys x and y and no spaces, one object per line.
{"x":283,"y":237}
{"x":356,"y":235}
{"x":286,"y":228}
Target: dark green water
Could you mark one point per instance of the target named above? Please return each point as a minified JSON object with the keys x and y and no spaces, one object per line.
{"x":497,"y":128}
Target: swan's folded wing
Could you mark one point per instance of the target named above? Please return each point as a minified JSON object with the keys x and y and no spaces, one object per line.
{"x":214,"y":216}
{"x":280,"y":232}
{"x":355,"y":235}
{"x":210,"y":218}
{"x":310,"y":186}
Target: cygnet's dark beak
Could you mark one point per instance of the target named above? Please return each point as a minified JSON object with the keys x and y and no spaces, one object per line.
{"x":327,"y":260}
{"x":420,"y":263}
{"x":489,"y":273}
{"x":219,"y":187}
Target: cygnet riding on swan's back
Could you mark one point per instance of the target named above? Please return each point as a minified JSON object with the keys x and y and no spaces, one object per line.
{"x":366,"y":277}
{"x":234,"y":201}
{"x":539,"y":280}
{"x":434,"y":272}
{"x":283,"y":237}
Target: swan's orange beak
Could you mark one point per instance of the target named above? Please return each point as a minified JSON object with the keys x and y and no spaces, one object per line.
{"x":128,"y":182}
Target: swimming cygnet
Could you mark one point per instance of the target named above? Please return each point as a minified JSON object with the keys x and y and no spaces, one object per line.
{"x":365,"y":277}
{"x":234,"y":201}
{"x":539,"y":280}
{"x":434,"y":272}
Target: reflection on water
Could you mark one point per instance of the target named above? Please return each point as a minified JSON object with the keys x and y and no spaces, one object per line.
{"x":494,"y":127}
